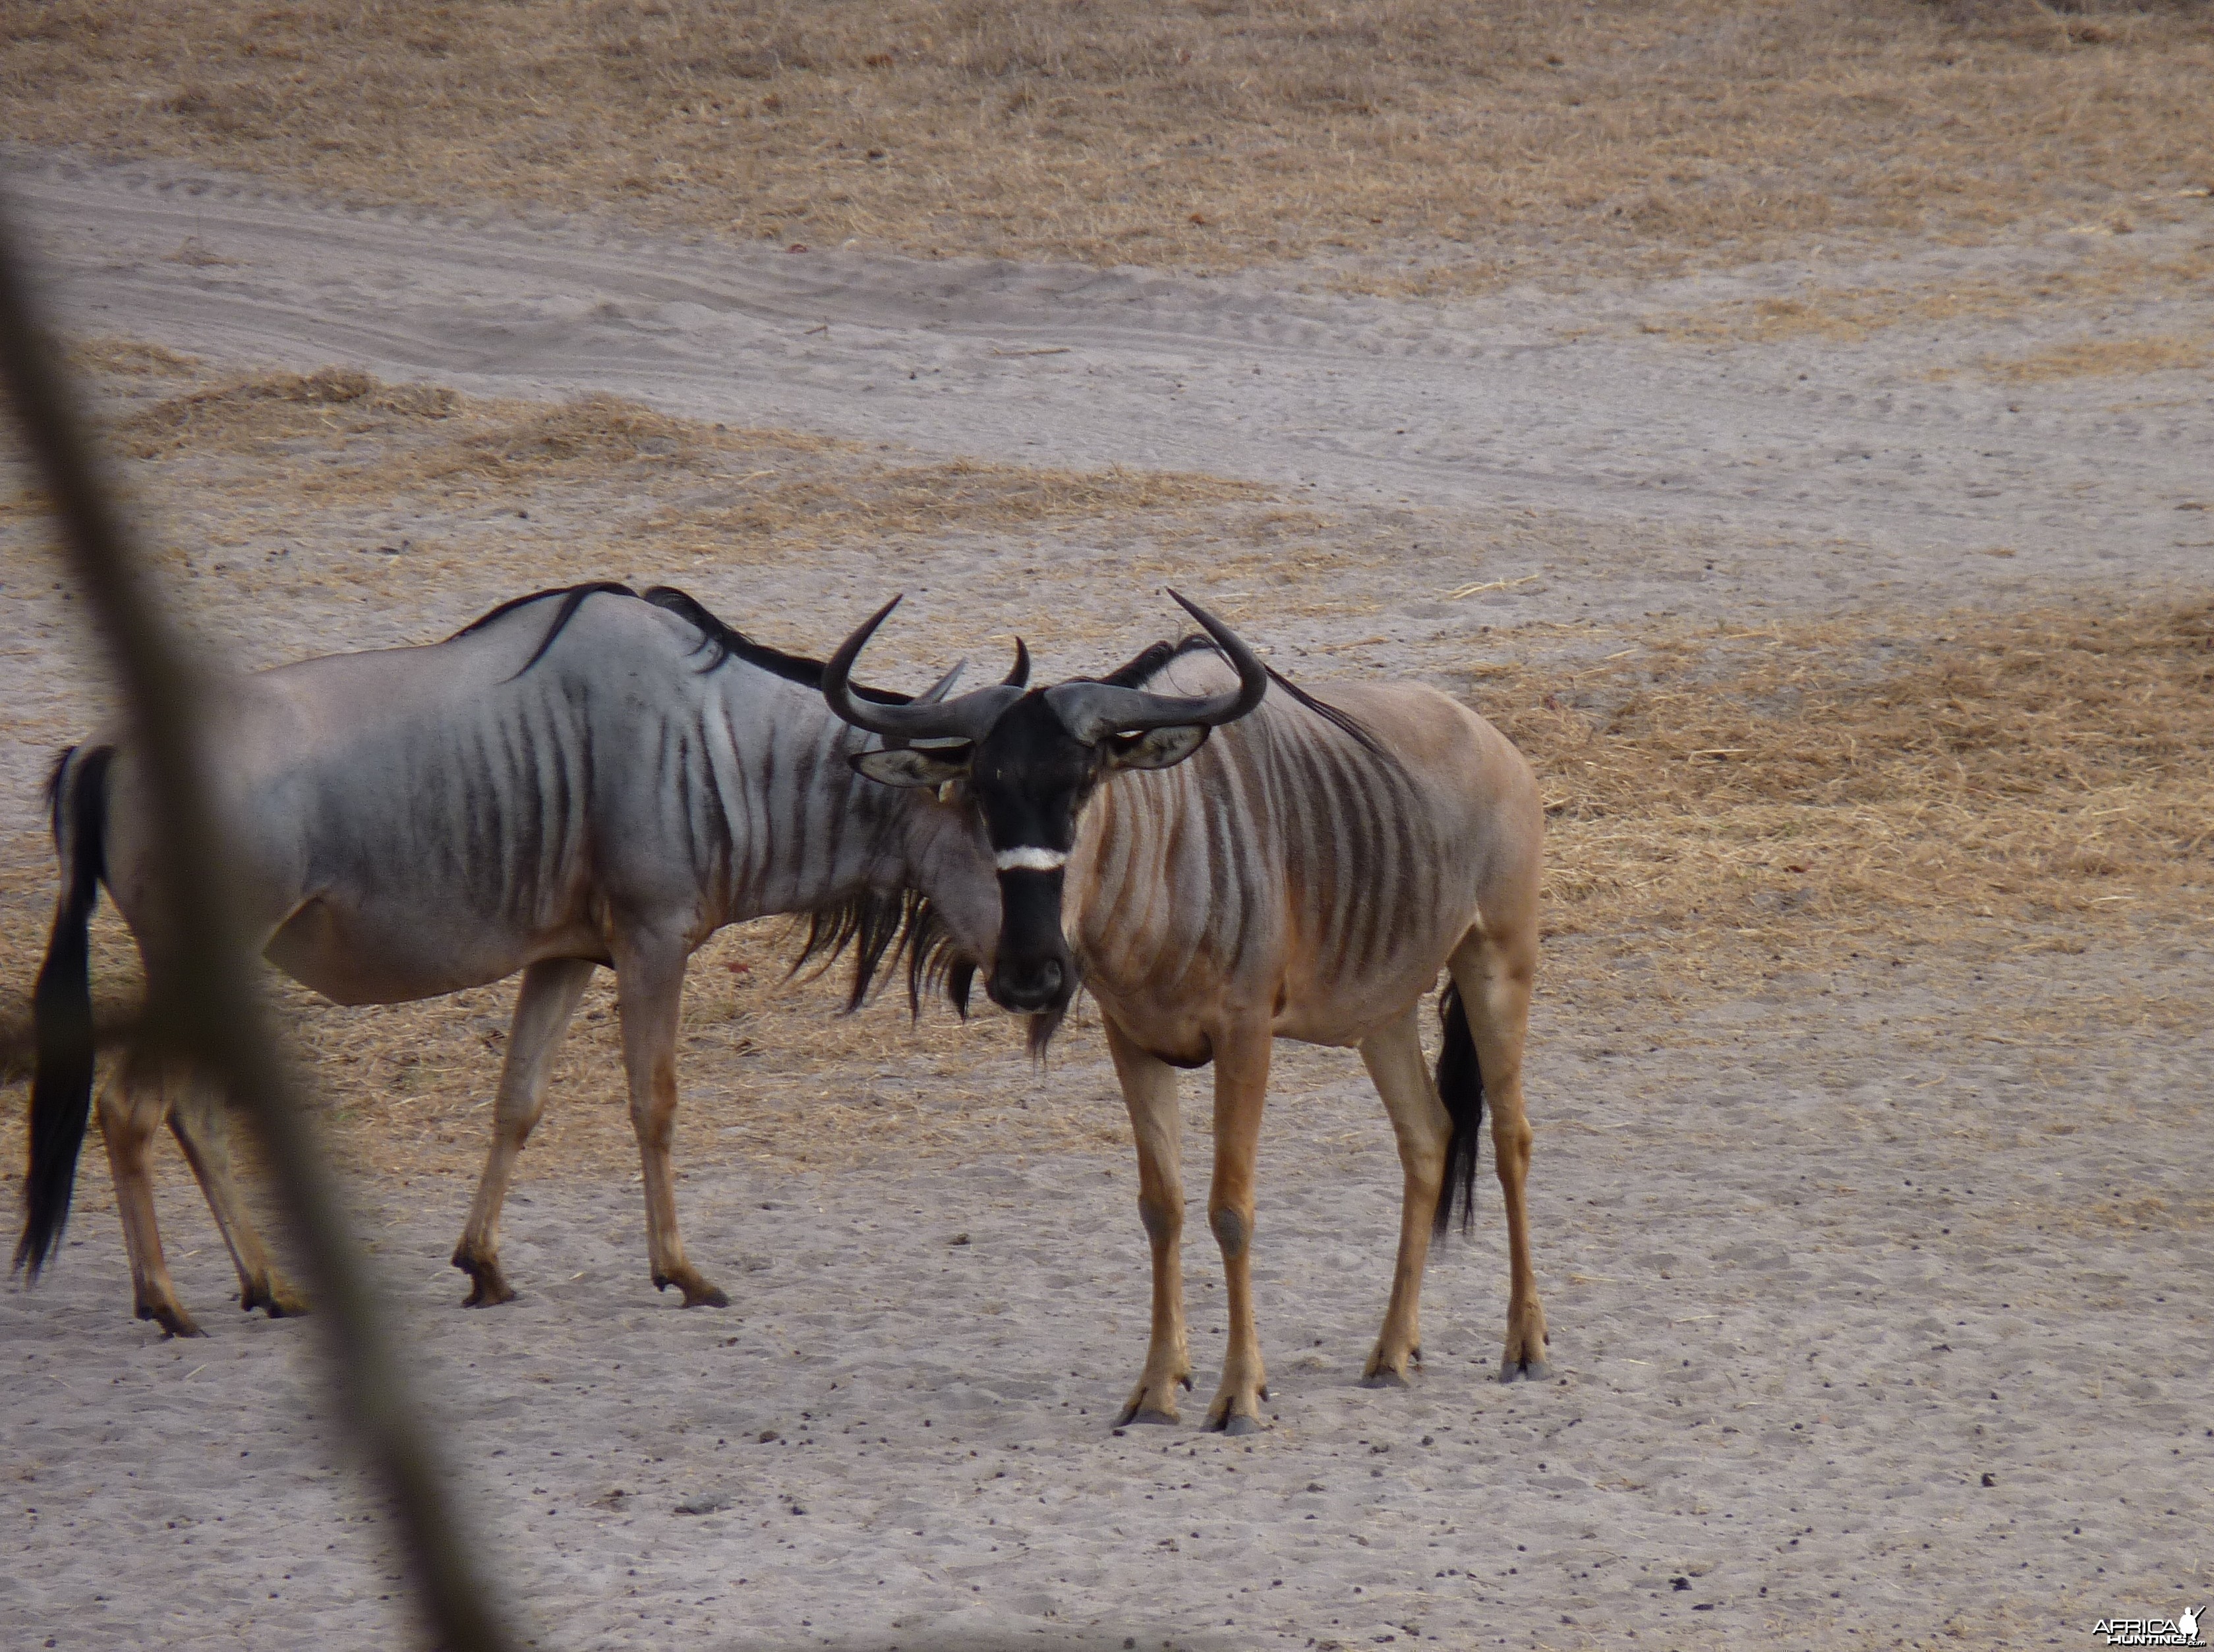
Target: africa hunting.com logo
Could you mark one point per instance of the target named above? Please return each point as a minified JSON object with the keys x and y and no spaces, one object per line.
{"x":2151,"y":1631}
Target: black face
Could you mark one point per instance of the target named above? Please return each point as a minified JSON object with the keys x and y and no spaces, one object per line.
{"x":1028,"y":779}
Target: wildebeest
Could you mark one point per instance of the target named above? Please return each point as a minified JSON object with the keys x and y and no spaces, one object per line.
{"x":1305,"y":873}
{"x":579,"y":778}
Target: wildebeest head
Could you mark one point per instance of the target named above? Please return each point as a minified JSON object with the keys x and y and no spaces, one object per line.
{"x":1027,"y":760}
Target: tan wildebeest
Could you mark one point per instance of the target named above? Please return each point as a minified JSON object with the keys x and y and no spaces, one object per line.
{"x":1305,"y":874}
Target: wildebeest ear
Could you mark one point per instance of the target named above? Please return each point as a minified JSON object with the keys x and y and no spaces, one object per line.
{"x":1157,"y":748}
{"x":914,"y":766}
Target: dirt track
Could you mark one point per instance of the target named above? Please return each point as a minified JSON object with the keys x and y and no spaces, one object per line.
{"x":1819,"y":1263}
{"x":1851,"y":449}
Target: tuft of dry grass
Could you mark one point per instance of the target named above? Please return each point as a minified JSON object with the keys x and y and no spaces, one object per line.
{"x":2100,"y":358}
{"x":130,"y":358}
{"x":275,"y":407}
{"x":1434,"y":144}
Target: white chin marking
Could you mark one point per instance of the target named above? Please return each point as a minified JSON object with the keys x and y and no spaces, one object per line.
{"x":1029,"y":860}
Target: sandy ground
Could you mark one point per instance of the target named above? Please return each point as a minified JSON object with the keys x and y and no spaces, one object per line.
{"x":1874,"y":1324}
{"x":1847,"y":1338}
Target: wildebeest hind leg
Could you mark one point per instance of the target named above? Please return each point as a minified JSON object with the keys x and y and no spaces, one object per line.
{"x":1494,"y":972}
{"x":196,"y":1120}
{"x":1149,"y":1090}
{"x":131,"y":1107}
{"x":1394,"y":1059}
{"x":651,"y":977}
{"x":548,"y":997}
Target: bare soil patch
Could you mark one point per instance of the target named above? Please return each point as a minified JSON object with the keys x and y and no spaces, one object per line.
{"x":1418,"y":145}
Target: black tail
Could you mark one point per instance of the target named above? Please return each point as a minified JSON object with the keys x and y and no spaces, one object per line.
{"x":1461,"y":1087}
{"x":61,"y":1007}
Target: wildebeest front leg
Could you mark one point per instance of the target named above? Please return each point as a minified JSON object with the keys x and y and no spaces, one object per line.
{"x":197,"y":1120}
{"x":1149,"y":1090}
{"x":650,"y":980}
{"x":1419,"y":1119}
{"x":1494,"y":974}
{"x":548,"y":997}
{"x":132,"y":1105}
{"x":1241,"y":1085}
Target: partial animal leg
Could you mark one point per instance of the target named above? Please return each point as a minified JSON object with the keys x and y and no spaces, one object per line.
{"x":1149,"y":1090}
{"x":1419,"y":1119}
{"x":132,"y":1105}
{"x":548,"y":997}
{"x":1494,"y":971}
{"x":197,"y":1120}
{"x":1241,"y":1085}
{"x":650,"y":976}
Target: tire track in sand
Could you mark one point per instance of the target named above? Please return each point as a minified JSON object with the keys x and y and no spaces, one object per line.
{"x":1511,"y":403}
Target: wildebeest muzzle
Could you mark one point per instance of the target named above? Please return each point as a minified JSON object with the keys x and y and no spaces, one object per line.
{"x":1033,"y":970}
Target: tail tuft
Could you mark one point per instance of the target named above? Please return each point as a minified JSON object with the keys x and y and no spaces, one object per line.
{"x":1461,"y":1087}
{"x":61,"y":1010}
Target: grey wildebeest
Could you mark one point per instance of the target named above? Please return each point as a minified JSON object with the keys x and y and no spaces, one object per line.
{"x":580,"y":777}
{"x":1304,"y":874}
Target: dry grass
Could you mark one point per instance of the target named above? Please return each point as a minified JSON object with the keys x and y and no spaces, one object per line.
{"x":779,"y":479}
{"x":1823,"y":791}
{"x":274,"y":407}
{"x":2103,"y":276}
{"x":1461,"y":140}
{"x":2100,"y":358}
{"x":740,"y":496}
{"x":131,"y":358}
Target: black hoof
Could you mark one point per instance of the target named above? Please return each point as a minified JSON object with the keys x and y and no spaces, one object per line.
{"x":1148,"y":1419}
{"x":1237,"y":1425}
{"x":698,"y":1293}
{"x":1531,"y":1371}
{"x":488,"y":1286}
{"x":1383,"y":1380}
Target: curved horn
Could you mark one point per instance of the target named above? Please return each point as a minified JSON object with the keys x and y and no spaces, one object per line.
{"x":969,"y":717}
{"x":1091,"y":711}
{"x":1020,"y":677}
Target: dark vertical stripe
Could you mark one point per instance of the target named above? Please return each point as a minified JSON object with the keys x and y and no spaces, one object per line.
{"x":1245,"y":832}
{"x":1339,"y":854}
{"x":761,"y":820}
